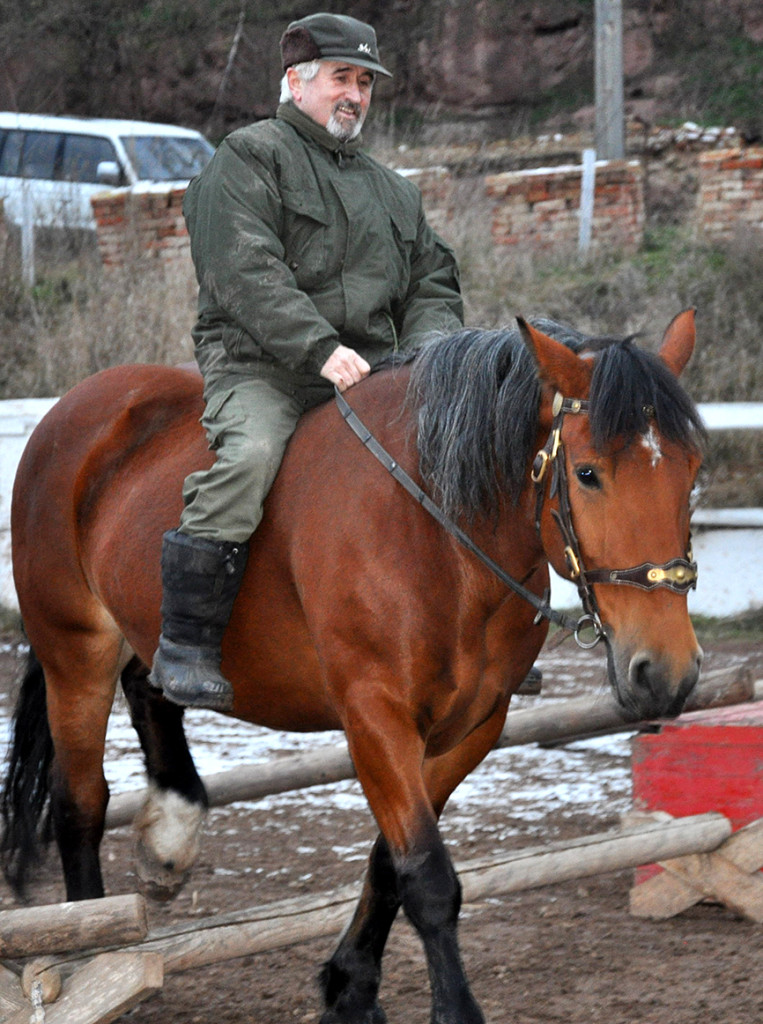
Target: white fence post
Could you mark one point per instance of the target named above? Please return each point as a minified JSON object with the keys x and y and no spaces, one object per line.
{"x":587,"y":183}
{"x":27,"y":238}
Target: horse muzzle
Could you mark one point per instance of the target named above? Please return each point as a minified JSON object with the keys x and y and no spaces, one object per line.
{"x":647,"y":686}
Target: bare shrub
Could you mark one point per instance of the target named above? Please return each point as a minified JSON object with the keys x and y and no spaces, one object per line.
{"x":80,"y":318}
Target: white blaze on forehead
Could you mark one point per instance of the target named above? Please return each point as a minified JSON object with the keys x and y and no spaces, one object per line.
{"x":651,"y":441}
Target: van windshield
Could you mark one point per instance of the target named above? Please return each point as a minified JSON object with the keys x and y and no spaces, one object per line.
{"x":167,"y":158}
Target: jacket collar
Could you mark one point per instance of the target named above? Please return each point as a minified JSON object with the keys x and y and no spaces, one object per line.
{"x":304,"y":124}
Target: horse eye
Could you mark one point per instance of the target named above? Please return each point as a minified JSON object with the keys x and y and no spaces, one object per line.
{"x":588,"y":477}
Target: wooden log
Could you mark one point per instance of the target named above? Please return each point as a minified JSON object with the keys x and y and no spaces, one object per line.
{"x":562,"y":721}
{"x":103,"y":990}
{"x":594,"y":855}
{"x":273,"y":926}
{"x":252,"y":781}
{"x":558,"y":722}
{"x":62,"y":927}
{"x":284,"y":923}
{"x":44,"y":973}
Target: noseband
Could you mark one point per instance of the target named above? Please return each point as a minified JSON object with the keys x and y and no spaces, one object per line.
{"x":678,"y":575}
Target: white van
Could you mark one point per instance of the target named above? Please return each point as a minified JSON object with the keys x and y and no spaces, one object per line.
{"x":53,"y":165}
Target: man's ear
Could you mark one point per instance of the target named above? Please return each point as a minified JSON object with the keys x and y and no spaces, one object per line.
{"x":295,"y":83}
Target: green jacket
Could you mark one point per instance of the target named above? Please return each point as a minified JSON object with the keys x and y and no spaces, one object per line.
{"x":301,"y":242}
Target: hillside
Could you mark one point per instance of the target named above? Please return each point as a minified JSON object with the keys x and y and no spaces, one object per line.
{"x":463,"y":70}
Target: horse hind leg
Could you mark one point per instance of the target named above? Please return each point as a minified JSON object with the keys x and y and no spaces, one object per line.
{"x":80,"y":682}
{"x":169,"y":824}
{"x":26,"y":787}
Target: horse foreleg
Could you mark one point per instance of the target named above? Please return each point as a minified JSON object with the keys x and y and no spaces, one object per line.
{"x":431,"y":897}
{"x":169,"y":823}
{"x":350,"y":980}
{"x":388,"y":753}
{"x":444,"y":773}
{"x":353,"y":974}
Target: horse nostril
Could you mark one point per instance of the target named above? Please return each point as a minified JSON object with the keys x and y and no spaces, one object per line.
{"x":638,"y":670}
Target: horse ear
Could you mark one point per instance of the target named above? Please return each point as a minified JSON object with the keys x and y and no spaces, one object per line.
{"x":557,"y":364}
{"x":678,"y":342}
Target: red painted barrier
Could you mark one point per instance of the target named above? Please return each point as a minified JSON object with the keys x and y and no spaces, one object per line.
{"x":703,"y":761}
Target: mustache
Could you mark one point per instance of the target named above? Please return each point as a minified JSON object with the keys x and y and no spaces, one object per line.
{"x":354,"y":107}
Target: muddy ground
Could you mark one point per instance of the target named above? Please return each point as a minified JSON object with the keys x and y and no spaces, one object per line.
{"x":565,"y":953}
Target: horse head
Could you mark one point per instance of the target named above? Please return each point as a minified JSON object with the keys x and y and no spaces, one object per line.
{"x":614,"y":481}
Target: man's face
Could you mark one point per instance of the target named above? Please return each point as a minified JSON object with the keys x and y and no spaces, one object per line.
{"x":337,"y":98}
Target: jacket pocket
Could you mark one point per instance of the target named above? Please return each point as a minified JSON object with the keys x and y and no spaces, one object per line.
{"x":307,"y":228}
{"x":241,"y":346}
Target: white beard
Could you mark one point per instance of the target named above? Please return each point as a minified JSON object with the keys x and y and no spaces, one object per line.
{"x":341,"y":130}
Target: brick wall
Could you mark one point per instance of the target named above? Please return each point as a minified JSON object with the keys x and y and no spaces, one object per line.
{"x":148,"y":224}
{"x":541,"y":207}
{"x":730,"y":198}
{"x":537,"y":207}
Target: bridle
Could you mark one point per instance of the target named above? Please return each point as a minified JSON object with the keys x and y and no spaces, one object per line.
{"x":678,"y":575}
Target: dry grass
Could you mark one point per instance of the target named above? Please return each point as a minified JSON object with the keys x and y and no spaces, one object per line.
{"x":80,"y":318}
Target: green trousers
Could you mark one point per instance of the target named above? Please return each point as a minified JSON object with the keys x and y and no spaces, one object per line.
{"x":248,"y":425}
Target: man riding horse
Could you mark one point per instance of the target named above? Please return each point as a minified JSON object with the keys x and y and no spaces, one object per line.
{"x":314,"y":263}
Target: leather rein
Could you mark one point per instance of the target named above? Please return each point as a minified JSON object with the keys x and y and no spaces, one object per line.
{"x":678,"y":575}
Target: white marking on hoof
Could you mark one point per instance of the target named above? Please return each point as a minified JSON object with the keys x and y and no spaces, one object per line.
{"x":169,"y":832}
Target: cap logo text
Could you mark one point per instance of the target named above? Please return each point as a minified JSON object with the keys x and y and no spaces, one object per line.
{"x":364,"y":48}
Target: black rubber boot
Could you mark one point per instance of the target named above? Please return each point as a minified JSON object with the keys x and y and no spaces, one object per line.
{"x":200,"y":580}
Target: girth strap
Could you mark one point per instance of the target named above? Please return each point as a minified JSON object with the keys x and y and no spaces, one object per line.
{"x":542,"y":606}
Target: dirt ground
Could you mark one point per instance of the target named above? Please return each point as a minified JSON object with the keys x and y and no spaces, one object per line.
{"x":565,"y":953}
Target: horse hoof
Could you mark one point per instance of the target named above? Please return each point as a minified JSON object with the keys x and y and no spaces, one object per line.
{"x":161,"y":890}
{"x":157,"y":881}
{"x":374,"y":1016}
{"x":168,"y":834}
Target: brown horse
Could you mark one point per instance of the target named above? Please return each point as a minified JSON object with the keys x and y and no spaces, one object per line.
{"x":358,"y":610}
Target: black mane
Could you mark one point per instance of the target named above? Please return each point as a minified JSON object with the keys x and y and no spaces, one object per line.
{"x":477,"y":395}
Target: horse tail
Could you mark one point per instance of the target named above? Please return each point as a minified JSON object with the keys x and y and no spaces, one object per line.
{"x":24,"y":805}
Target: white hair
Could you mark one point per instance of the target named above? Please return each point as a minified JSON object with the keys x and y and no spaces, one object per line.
{"x":306,"y":73}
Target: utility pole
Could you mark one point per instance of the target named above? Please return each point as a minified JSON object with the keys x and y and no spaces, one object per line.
{"x":610,"y":121}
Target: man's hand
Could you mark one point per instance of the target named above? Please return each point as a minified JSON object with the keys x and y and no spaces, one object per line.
{"x":344,"y":367}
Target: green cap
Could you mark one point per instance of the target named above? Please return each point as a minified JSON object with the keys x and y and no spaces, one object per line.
{"x":331,"y":37}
